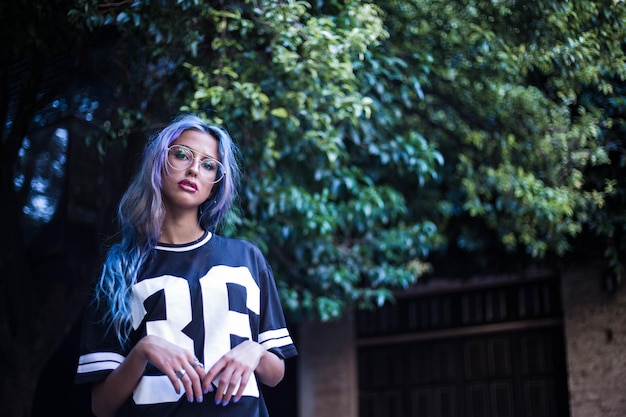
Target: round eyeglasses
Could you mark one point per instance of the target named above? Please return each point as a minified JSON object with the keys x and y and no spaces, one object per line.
{"x":180,"y":157}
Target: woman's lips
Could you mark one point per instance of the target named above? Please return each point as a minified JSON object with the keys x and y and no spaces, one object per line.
{"x":188,"y":185}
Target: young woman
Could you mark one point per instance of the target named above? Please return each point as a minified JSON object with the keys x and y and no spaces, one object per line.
{"x":183,"y":322}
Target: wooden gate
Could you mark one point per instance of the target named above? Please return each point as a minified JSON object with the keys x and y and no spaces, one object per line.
{"x":488,"y":352}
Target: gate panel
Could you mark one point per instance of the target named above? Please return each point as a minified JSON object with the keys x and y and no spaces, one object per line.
{"x":497,"y":352}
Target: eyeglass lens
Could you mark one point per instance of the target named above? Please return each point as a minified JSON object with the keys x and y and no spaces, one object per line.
{"x":181,"y":157}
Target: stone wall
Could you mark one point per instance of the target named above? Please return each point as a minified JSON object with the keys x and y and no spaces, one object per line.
{"x":595,"y":338}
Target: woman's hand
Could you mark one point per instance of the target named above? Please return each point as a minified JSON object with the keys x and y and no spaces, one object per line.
{"x":235,"y":368}
{"x":179,"y":364}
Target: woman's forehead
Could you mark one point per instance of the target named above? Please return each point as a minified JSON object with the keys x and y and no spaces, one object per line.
{"x":199,"y":142}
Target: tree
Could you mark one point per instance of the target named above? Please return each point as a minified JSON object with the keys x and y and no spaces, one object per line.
{"x":497,"y":90}
{"x":506,"y":93}
{"x":281,"y":76}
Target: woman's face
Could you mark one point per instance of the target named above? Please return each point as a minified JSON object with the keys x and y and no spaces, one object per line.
{"x":192,"y":167}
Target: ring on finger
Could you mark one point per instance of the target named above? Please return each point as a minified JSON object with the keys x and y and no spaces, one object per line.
{"x":197,"y":363}
{"x":180,"y":373}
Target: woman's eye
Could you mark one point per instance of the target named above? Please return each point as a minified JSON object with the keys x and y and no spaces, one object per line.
{"x":181,"y":154}
{"x":207,"y":164}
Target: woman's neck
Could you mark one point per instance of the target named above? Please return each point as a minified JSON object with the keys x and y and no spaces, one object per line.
{"x":179,"y":231}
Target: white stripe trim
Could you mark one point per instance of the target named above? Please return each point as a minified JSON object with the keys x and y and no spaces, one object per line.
{"x":185,"y":248}
{"x":273,"y":334}
{"x":277,"y":343}
{"x":100,"y":357}
{"x":99,"y":361}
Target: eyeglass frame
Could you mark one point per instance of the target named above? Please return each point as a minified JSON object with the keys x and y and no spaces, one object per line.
{"x":195,"y":155}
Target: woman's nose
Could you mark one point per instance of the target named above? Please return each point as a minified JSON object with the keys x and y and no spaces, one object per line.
{"x":195,"y":164}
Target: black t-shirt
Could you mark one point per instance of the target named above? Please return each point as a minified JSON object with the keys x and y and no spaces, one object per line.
{"x":207,"y":296}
